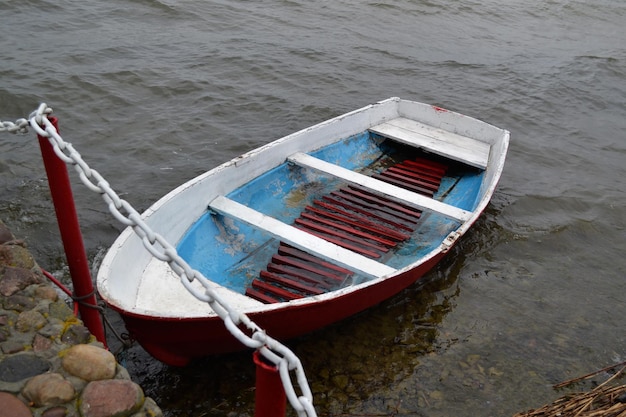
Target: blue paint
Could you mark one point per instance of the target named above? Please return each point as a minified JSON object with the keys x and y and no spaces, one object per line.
{"x":233,"y":254}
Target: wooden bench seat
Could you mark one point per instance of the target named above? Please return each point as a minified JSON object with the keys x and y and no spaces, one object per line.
{"x":379,"y":186}
{"x":301,"y":239}
{"x":441,"y":142}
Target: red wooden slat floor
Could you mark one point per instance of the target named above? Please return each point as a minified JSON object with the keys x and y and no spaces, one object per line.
{"x":353,"y":218}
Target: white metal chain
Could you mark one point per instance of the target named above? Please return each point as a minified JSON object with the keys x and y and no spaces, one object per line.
{"x":20,"y":126}
{"x":271,"y":349}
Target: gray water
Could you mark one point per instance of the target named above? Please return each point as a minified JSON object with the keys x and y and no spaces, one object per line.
{"x":153,"y":93}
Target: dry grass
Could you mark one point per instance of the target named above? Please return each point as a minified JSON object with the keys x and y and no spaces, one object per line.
{"x":606,"y":400}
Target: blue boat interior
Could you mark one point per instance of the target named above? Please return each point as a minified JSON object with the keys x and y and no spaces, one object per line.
{"x":250,"y":261}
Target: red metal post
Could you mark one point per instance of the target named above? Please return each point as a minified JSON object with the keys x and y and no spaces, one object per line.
{"x":270,"y":398}
{"x":63,"y":199}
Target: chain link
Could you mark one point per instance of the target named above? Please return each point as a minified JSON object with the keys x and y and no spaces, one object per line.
{"x":255,"y":337}
{"x":20,"y":126}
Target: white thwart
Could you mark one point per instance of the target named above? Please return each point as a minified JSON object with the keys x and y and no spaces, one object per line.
{"x":439,"y":141}
{"x":301,"y":239}
{"x":389,"y":190}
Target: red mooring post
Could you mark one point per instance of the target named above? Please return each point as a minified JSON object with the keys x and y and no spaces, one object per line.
{"x":63,"y":199}
{"x":270,"y":398}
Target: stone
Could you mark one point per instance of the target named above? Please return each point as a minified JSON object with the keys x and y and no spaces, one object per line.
{"x":41,"y":343}
{"x":13,"y":346}
{"x":48,"y":389}
{"x":89,"y":362}
{"x":149,"y":409}
{"x":60,"y":310}
{"x":5,"y":255}
{"x":19,"y":303}
{"x":55,"y":412}
{"x":28,"y":321}
{"x":78,"y":383}
{"x":122,"y":373}
{"x":17,"y":367}
{"x":111,"y":398}
{"x":15,"y":279}
{"x":76,"y":334}
{"x":53,"y":329}
{"x":7,"y":318}
{"x":16,"y":256}
{"x":13,"y":407}
{"x":5,"y":233}
{"x":40,"y":374}
{"x":45,"y":292}
{"x":15,"y":341}
{"x":341,"y":381}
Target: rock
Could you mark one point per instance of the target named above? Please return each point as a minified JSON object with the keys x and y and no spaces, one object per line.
{"x":150,"y":409}
{"x":7,"y":318}
{"x":19,"y":303}
{"x":55,"y":412}
{"x":17,"y":367}
{"x":340,"y":381}
{"x":48,"y":357}
{"x":111,"y":398}
{"x":436,"y":395}
{"x":60,"y":310}
{"x":52,"y":329}
{"x":41,"y":343}
{"x":14,"y":345}
{"x":15,"y":279}
{"x":30,"y":321}
{"x":45,"y":292}
{"x":5,"y":233}
{"x":16,"y":342}
{"x":48,"y":389}
{"x":13,"y":407}
{"x":16,"y":256}
{"x":76,"y":334}
{"x":90,"y":363}
{"x":78,"y":383}
{"x":5,"y":255}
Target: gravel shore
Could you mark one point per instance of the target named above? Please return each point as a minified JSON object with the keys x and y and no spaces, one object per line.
{"x":50,"y":364}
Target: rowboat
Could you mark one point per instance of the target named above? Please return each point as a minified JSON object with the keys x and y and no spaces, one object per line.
{"x":309,"y":229}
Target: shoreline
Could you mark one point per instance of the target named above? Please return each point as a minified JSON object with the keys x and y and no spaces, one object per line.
{"x":50,"y":364}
